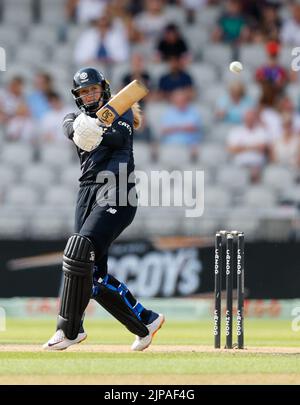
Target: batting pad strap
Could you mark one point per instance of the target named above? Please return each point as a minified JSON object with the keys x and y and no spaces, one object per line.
{"x":114,"y":285}
{"x":75,"y":268}
{"x":119,"y":302}
{"x":138,"y":308}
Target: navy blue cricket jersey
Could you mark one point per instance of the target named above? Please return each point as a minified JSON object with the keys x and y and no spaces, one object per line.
{"x":115,"y":148}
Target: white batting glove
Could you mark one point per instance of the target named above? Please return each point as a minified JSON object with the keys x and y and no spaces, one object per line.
{"x":87,"y":133}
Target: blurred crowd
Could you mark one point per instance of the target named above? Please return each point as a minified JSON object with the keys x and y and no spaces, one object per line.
{"x":142,"y":33}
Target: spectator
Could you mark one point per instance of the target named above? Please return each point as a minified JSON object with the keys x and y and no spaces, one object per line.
{"x":248,"y":144}
{"x":149,"y":25}
{"x":11,"y":97}
{"x":269,"y":25}
{"x":51,"y":123}
{"x":270,"y":119}
{"x":144,"y":134}
{"x":105,"y":42}
{"x":191,"y":7}
{"x":135,"y":7}
{"x":251,"y":10}
{"x":176,"y":78}
{"x":21,"y":127}
{"x":181,"y":123}
{"x":233,"y":105}
{"x":287,"y":107}
{"x":138,"y":72}
{"x":38,"y":99}
{"x":290,"y":32}
{"x":172,"y":44}
{"x":85,"y":11}
{"x":231,"y":27}
{"x":272,"y":77}
{"x":286,"y":149}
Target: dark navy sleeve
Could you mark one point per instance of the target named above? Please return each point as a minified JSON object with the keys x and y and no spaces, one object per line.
{"x":68,"y":125}
{"x":118,"y":134}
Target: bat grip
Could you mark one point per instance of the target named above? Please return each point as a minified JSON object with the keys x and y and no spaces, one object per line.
{"x":101,"y":124}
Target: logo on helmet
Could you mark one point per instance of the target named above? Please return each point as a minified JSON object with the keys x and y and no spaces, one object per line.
{"x":83,"y":76}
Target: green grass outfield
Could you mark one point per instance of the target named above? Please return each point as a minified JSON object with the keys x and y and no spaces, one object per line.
{"x":181,"y":353}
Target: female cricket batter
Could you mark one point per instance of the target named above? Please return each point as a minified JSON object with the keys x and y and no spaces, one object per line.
{"x":99,"y":220}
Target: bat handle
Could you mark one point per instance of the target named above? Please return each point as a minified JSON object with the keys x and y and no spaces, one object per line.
{"x":101,"y":124}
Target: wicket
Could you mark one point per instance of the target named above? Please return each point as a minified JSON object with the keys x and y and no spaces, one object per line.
{"x":230,"y":240}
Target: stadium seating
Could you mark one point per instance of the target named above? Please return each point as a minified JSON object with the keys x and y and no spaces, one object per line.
{"x":259,"y":197}
{"x":39,"y":182}
{"x":17,"y":155}
{"x":243,"y":220}
{"x":13,"y":223}
{"x":231,"y":177}
{"x":39,"y":176}
{"x":17,"y":12}
{"x":278,"y":177}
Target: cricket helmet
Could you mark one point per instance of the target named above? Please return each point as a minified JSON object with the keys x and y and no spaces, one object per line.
{"x":86,"y":77}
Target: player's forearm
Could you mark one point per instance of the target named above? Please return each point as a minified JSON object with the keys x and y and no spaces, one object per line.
{"x":118,"y":134}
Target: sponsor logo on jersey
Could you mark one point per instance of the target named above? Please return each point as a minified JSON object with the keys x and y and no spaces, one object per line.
{"x":124,"y":124}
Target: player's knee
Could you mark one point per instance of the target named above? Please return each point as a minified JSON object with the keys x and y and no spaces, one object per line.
{"x":79,"y":254}
{"x":100,"y":243}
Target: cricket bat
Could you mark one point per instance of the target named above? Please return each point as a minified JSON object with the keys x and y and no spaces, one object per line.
{"x":121,"y":102}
